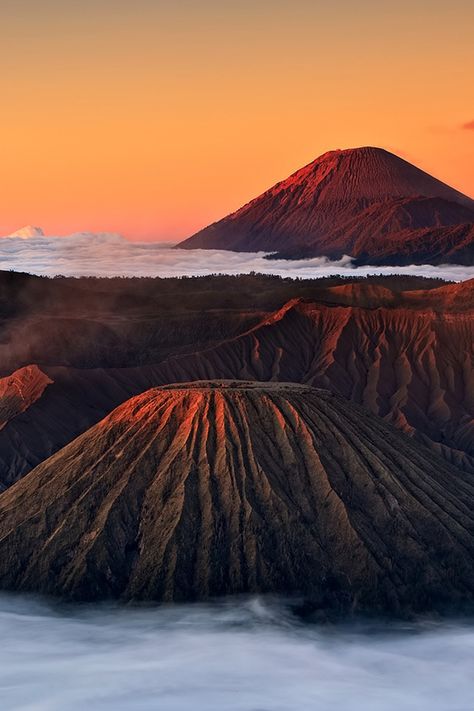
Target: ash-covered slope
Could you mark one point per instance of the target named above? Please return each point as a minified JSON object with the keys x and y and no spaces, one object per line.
{"x":213,"y":488}
{"x":355,"y":202}
{"x":407,"y":357}
{"x":34,"y":428}
{"x":413,"y":366}
{"x":20,"y":390}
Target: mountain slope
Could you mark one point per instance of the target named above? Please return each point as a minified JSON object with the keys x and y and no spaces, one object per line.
{"x":20,"y":390}
{"x":407,"y":357}
{"x":413,"y":367}
{"x":191,"y":491}
{"x":34,"y":428}
{"x":345,"y":202}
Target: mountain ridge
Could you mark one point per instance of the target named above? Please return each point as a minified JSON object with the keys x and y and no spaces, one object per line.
{"x":405,"y":355}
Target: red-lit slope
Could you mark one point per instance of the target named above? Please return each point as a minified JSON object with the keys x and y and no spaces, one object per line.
{"x":340,"y":204}
{"x":449,"y":298}
{"x":20,"y":390}
{"x":205,"y":489}
{"x":413,"y":367}
{"x":74,"y":400}
{"x":406,"y":356}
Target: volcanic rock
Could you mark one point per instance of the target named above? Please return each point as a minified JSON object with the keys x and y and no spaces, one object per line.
{"x":20,"y":390}
{"x":211,"y":488}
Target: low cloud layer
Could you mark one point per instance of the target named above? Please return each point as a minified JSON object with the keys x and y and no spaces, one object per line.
{"x":469,"y":126}
{"x":234,"y":656}
{"x":86,"y":254}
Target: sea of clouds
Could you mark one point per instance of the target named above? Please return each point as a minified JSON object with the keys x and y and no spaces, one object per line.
{"x":232,"y":656}
{"x":89,"y":254}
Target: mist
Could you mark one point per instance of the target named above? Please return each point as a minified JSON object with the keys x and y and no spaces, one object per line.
{"x":88,"y":254}
{"x":239,"y":655}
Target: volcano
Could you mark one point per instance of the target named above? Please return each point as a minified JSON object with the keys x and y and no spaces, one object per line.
{"x":211,"y":488}
{"x":363,"y":202}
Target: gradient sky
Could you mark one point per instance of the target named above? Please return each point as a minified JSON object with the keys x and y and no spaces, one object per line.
{"x":154,"y":118}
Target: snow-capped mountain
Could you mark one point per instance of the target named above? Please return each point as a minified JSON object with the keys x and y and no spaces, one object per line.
{"x":27,"y":232}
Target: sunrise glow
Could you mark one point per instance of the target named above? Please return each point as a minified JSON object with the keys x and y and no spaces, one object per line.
{"x":153,"y":119}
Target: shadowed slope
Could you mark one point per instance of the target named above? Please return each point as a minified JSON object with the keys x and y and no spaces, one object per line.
{"x":75,"y":400}
{"x":360,"y":202}
{"x":408,"y":357}
{"x":449,"y":244}
{"x":414,"y":368}
{"x":121,"y":323}
{"x":206,"y":489}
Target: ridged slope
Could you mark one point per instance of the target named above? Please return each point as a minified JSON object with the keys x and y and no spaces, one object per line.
{"x":187,"y":492}
{"x":414,"y":368}
{"x":74,"y":400}
{"x":339,"y":204}
{"x":408,"y":357}
{"x":20,"y":390}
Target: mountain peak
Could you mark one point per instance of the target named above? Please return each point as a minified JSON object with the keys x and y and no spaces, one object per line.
{"x":357,"y":150}
{"x":369,"y":173}
{"x":28,"y":232}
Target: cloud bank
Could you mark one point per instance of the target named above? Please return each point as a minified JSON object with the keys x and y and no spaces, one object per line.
{"x":88,"y":254}
{"x":469,"y":126}
{"x":233,"y":656}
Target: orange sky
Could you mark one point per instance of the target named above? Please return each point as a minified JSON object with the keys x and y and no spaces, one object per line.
{"x":154,"y":118}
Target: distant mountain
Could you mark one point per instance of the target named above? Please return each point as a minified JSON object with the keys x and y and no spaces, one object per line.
{"x":364,"y":202}
{"x":28,"y":232}
{"x":213,"y":488}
